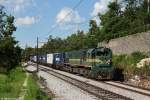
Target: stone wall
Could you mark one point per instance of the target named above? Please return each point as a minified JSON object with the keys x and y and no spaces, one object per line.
{"x":129,"y":44}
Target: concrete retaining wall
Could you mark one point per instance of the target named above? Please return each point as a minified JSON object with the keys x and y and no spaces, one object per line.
{"x":129,"y":44}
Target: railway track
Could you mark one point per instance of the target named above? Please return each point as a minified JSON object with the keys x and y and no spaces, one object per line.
{"x":127,"y":92}
{"x":133,"y":86}
{"x":97,"y":91}
{"x":128,"y":87}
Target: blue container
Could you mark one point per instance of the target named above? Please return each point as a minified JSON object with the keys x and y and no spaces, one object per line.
{"x":31,"y":58}
{"x":59,"y":58}
{"x":40,"y":58}
{"x":66,"y":57}
{"x":44,"y":58}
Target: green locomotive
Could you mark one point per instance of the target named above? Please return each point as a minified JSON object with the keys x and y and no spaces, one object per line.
{"x":95,"y":63}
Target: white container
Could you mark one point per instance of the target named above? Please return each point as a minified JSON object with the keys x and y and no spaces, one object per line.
{"x":50,"y":58}
{"x":34,"y":58}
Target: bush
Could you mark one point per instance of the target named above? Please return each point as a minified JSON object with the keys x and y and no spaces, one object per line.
{"x":137,"y":56}
{"x":128,"y":64}
{"x":119,"y":61}
{"x":41,"y":96}
{"x":10,"y":54}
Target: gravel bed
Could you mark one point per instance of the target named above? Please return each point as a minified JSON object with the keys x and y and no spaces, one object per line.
{"x":64,"y":90}
{"x":130,"y":94}
{"x":129,"y":87}
{"x":106,"y":95}
{"x":31,"y":68}
{"x":143,"y":83}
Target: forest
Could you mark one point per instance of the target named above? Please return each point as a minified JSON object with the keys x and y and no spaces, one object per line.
{"x":122,"y":18}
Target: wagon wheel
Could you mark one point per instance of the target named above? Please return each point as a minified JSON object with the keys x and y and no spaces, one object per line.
{"x":102,"y":75}
{"x":99,"y":76}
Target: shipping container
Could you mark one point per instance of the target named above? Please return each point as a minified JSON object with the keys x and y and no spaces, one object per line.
{"x":34,"y":59}
{"x":59,"y":58}
{"x":44,"y":58}
{"x":50,"y":58}
{"x":39,"y":58}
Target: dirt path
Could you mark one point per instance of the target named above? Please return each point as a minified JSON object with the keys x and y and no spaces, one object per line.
{"x":24,"y":88}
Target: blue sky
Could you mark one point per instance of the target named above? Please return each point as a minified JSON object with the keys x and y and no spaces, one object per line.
{"x":42,"y":17}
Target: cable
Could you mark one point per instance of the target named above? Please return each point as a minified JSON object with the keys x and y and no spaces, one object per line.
{"x":55,"y":26}
{"x":84,"y":22}
{"x":71,"y":11}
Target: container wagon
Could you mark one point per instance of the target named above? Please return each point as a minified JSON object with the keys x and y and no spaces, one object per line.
{"x":94,"y":63}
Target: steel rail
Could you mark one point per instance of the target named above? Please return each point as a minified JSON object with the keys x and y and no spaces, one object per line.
{"x":97,"y":91}
{"x":132,"y":90}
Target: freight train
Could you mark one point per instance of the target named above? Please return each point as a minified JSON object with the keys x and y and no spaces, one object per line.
{"x":94,"y":63}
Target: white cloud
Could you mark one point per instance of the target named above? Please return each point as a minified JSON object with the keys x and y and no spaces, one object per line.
{"x":101,"y":6}
{"x":67,"y":15}
{"x":68,"y":19}
{"x":98,"y":21}
{"x":19,"y":5}
{"x":2,"y":1}
{"x":25,"y":21}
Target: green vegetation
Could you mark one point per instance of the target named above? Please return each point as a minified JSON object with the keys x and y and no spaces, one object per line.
{"x":11,"y":83}
{"x":123,"y":18}
{"x":33,"y":90}
{"x":129,"y":62}
{"x":9,"y":51}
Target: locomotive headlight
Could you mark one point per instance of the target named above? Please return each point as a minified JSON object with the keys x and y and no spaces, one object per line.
{"x":109,"y":61}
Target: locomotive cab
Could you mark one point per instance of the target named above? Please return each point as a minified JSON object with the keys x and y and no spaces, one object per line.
{"x":102,"y":65}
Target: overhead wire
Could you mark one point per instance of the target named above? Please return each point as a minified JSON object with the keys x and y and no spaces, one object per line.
{"x":68,"y":14}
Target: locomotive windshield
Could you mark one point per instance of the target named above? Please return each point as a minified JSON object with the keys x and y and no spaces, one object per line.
{"x":105,"y":53}
{"x":103,"y":56}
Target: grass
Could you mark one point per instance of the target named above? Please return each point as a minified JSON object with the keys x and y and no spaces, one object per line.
{"x":33,"y":90}
{"x":11,"y":83}
{"x":128,"y":63}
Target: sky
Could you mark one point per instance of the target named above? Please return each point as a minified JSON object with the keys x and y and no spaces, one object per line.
{"x":59,"y":18}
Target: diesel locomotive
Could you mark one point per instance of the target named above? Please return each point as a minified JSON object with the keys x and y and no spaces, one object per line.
{"x":95,"y":63}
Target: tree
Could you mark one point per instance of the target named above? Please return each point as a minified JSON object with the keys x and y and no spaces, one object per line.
{"x":93,"y":34}
{"x":121,"y":19}
{"x":2,"y":21}
{"x":9,"y":51}
{"x":9,"y":28}
{"x":111,"y":21}
{"x":27,"y":52}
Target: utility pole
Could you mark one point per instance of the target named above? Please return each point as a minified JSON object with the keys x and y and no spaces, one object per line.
{"x":25,"y":56}
{"x":148,"y":6}
{"x":116,"y":1}
{"x":37,"y":56}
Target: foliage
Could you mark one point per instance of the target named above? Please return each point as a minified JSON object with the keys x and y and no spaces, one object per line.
{"x":129,"y":62}
{"x":10,"y":84}
{"x":122,"y":18}
{"x":92,"y":40}
{"x":29,"y":51}
{"x":9,"y":51}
